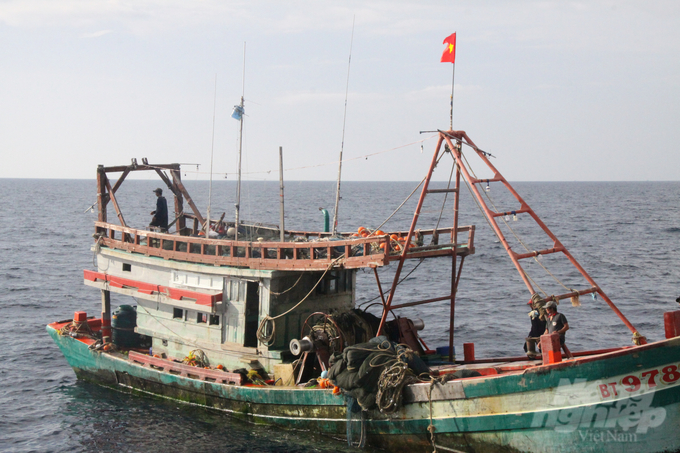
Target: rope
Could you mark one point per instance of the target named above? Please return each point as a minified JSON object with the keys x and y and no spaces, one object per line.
{"x":431,"y":428}
{"x":407,"y":198}
{"x":268,"y":339}
{"x":77,"y":329}
{"x":392,"y":380}
{"x":284,"y":292}
{"x":400,"y":206}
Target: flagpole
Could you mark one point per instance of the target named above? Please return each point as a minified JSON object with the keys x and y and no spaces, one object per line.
{"x":453,"y":78}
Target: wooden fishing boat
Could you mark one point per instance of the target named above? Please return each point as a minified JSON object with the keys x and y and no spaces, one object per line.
{"x":255,"y":324}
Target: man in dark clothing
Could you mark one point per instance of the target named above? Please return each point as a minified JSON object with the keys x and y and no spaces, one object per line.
{"x":537,"y":329}
{"x":556,"y":323}
{"x":160,"y":215}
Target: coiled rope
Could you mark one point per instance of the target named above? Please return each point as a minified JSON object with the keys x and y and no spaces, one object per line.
{"x":392,"y":380}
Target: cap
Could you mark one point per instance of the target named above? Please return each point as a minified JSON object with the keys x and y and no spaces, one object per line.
{"x":159,"y":190}
{"x":550,"y":304}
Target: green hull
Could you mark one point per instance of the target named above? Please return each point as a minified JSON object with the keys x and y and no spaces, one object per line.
{"x":590,"y":405}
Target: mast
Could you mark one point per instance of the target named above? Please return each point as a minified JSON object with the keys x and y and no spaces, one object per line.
{"x":342,"y":145}
{"x":239,"y":110}
{"x":281,"y":226}
{"x":212,"y":150}
{"x":492,"y":216}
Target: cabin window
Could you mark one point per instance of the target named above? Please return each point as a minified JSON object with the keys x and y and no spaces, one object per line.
{"x":335,"y":282}
{"x":202,"y":318}
{"x":214,"y":320}
{"x":127,"y":267}
{"x":177,"y":313}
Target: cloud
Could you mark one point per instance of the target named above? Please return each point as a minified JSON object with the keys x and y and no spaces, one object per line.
{"x":96,"y":34}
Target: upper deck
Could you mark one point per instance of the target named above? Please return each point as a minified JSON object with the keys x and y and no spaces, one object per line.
{"x":258,"y":247}
{"x":301,"y":251}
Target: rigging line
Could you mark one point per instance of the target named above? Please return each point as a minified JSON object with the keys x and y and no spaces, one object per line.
{"x":400,"y":206}
{"x":342,"y":145}
{"x":158,"y":320}
{"x":398,"y":283}
{"x":487,"y":219}
{"x":519,"y":239}
{"x":448,"y":186}
{"x":469,"y":167}
{"x":365,"y":156}
{"x":407,"y":198}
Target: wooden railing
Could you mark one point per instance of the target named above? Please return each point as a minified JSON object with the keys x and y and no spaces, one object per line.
{"x":301,"y":254}
{"x":180,"y":369}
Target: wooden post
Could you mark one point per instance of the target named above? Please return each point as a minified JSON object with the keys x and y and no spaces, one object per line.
{"x":106,"y":314}
{"x":179,"y":201}
{"x":112,"y":197}
{"x":102,"y":199}
{"x":468,"y":352}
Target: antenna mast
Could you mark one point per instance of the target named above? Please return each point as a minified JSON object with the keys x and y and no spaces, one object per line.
{"x":212,"y":149}
{"x":342,"y":146}
{"x":239,"y":112}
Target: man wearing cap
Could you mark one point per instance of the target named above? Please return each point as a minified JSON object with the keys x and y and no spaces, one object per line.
{"x":556,"y":323}
{"x":160,"y":215}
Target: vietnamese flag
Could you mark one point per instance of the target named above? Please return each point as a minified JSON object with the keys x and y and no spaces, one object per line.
{"x":449,"y":55}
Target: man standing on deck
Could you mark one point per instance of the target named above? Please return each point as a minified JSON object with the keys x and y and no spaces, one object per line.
{"x":556,"y":323}
{"x":160,"y":215}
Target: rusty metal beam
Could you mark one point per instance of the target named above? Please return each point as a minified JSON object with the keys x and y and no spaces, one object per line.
{"x":454,"y":190}
{"x":421,"y":302}
{"x":411,"y":230}
{"x":460,"y":135}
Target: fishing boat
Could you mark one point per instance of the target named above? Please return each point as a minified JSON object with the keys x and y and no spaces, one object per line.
{"x":261,"y":322}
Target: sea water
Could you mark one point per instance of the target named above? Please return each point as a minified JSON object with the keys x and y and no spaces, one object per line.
{"x":625,"y":234}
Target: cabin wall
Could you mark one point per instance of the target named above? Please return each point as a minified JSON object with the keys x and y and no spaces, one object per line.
{"x":176,"y":324}
{"x":334,"y":294}
{"x":226,"y":332}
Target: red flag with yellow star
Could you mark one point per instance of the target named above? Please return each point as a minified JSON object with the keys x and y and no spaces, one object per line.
{"x":449,"y":55}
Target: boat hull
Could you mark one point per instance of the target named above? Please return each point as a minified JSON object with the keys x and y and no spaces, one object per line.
{"x":626,"y":401}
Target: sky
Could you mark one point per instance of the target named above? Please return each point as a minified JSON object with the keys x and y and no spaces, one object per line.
{"x":555,"y":90}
